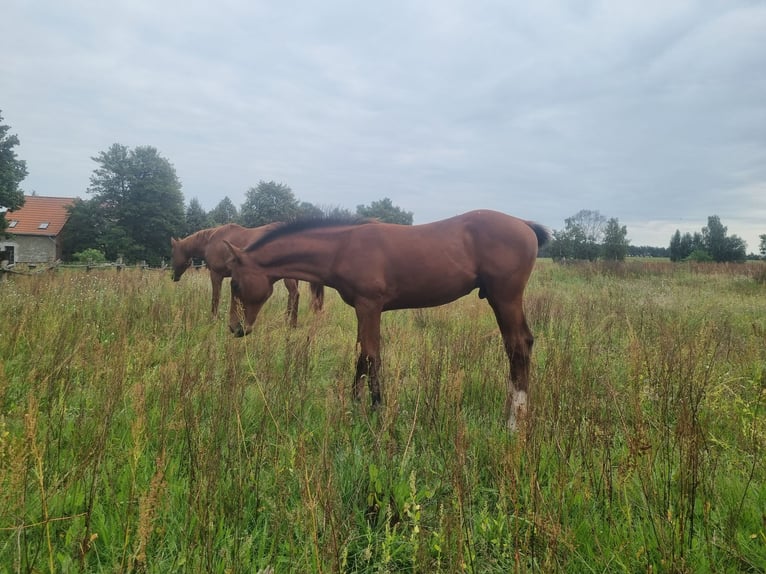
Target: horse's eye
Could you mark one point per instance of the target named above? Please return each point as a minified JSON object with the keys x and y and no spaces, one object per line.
{"x":234,"y":286}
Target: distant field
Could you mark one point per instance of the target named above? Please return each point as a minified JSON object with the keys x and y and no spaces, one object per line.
{"x":136,"y":435}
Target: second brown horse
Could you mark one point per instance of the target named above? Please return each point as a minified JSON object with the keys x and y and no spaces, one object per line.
{"x":208,"y":244}
{"x":378,"y":267}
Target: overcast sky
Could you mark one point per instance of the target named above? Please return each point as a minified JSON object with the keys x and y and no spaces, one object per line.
{"x":653,"y":112}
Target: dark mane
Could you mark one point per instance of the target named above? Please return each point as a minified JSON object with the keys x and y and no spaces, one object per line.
{"x":305,"y":224}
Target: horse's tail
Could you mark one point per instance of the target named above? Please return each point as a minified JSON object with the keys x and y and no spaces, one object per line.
{"x":543,"y":234}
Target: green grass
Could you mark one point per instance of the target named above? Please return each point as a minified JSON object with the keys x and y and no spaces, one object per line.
{"x":136,"y":435}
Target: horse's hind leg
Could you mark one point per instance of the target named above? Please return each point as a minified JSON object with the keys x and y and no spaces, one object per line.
{"x":317,"y":297}
{"x":518,"y":340}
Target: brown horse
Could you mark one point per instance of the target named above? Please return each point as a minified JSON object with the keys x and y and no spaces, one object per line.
{"x":381,"y":267}
{"x":208,"y":244}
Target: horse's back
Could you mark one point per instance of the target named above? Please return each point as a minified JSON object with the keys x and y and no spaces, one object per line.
{"x":484,"y":228}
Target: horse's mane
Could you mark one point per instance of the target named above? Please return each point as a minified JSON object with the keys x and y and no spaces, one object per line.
{"x":195,"y":243}
{"x":306,"y":224}
{"x":204,"y":234}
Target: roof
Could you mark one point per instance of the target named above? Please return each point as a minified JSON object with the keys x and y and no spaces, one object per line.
{"x":39,"y":216}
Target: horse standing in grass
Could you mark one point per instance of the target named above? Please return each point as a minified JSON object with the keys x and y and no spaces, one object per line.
{"x":378,"y":267}
{"x":208,"y":244}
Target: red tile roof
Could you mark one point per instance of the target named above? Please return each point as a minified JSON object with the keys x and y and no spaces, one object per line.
{"x":37,"y":211}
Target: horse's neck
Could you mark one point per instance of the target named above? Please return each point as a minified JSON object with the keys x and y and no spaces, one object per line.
{"x":310,"y":259}
{"x":194,"y":245}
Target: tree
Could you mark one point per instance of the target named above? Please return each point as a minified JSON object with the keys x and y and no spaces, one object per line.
{"x":309,"y":210}
{"x":762,"y":247}
{"x":719,"y":246}
{"x":682,"y":246}
{"x":139,"y":197}
{"x":615,"y":245}
{"x":675,"y":246}
{"x":648,"y":251}
{"x":85,"y":228}
{"x":268,"y":202}
{"x":712,"y":244}
{"x":385,"y":210}
{"x":12,"y":173}
{"x":590,"y":222}
{"x":580,"y":237}
{"x":196,"y":218}
{"x":223,"y":213}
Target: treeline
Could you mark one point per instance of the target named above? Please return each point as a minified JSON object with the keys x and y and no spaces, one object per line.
{"x":136,"y":206}
{"x":588,"y":235}
{"x":710,"y":244}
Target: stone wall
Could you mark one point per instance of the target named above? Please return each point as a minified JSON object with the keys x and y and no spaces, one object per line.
{"x":31,"y":249}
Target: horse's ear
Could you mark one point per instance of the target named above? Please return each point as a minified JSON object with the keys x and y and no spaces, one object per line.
{"x":173,"y":241}
{"x":235,"y":252}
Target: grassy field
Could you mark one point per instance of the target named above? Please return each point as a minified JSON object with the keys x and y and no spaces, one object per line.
{"x":136,"y":435}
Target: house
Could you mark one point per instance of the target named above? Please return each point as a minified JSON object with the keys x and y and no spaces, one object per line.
{"x":35,"y":230}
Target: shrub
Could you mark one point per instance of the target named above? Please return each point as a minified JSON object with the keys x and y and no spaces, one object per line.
{"x":89,"y":256}
{"x":699,"y":255}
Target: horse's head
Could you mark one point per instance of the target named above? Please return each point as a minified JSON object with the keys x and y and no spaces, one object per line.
{"x":181,"y":261}
{"x":250,"y":285}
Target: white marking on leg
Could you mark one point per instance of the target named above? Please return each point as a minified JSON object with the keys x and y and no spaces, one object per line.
{"x":518,"y":409}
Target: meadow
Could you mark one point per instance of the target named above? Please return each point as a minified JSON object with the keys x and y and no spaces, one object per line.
{"x":137,"y":435}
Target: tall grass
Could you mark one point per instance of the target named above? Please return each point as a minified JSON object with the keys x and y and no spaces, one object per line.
{"x":136,"y":435}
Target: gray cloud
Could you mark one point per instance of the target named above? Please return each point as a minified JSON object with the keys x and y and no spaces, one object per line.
{"x":652,"y":112}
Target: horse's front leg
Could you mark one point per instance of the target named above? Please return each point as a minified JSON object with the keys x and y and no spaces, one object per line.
{"x":216,"y":279}
{"x":236,"y":314}
{"x":293,"y":296}
{"x":368,"y":364}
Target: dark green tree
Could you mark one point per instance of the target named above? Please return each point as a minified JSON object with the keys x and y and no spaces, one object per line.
{"x":691,"y":243}
{"x":712,"y":244}
{"x":722,"y":247}
{"x":196,"y":217}
{"x":309,"y":210}
{"x":140,"y":198}
{"x":762,"y":247}
{"x":386,"y":211}
{"x":615,"y":246}
{"x":675,"y":246}
{"x":306,"y":209}
{"x":85,"y":229}
{"x":681,"y":246}
{"x":12,"y":173}
{"x":268,"y":202}
{"x":223,"y":213}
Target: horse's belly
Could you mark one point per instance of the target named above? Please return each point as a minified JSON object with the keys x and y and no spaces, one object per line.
{"x":431,"y":295}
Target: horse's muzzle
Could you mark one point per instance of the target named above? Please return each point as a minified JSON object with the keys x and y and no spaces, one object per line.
{"x":239,"y":331}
